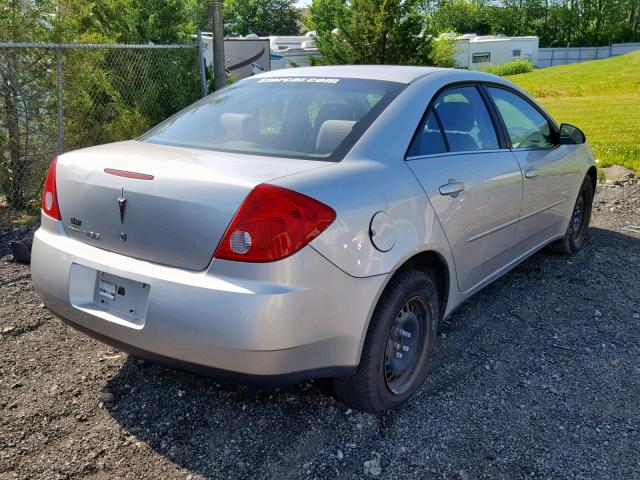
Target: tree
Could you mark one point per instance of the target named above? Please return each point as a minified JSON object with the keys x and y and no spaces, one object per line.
{"x":556,"y":22}
{"x":458,"y":16}
{"x":200,"y":14}
{"x":161,"y":21}
{"x":377,"y":32}
{"x":25,"y":129}
{"x":261,"y":17}
{"x":324,"y":15}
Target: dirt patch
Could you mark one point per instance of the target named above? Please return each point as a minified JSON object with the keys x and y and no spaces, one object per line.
{"x":617,"y":173}
{"x":536,"y":376}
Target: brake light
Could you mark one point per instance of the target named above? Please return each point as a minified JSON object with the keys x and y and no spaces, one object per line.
{"x":273,"y":223}
{"x":50,"y":194}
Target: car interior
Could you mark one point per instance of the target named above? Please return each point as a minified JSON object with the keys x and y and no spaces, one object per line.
{"x":465,"y":124}
{"x":314,"y":126}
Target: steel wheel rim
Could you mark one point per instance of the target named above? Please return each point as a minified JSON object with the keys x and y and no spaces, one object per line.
{"x":578,"y":216}
{"x":405,"y":345}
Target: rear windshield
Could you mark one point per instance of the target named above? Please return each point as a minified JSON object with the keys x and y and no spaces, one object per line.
{"x":296,"y":117}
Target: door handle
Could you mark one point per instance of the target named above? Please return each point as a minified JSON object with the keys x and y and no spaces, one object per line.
{"x":452,"y":187}
{"x":531,"y":173}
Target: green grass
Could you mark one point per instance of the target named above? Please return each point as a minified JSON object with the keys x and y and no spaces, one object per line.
{"x":601,"y":97}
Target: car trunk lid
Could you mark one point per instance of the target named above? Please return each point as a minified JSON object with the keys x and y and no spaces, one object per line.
{"x":168,"y":205}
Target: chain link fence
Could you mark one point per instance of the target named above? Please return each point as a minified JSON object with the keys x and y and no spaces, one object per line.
{"x":56,"y":98}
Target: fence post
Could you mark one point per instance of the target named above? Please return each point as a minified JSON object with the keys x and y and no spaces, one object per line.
{"x":60,"y":99}
{"x":202,"y":64}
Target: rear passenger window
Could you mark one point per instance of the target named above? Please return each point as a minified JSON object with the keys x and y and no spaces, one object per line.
{"x":429,"y":139}
{"x":465,"y":120}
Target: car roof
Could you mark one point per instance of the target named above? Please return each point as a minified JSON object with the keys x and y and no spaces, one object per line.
{"x":390,"y":73}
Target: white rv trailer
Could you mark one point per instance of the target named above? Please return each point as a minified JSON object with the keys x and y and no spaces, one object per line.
{"x":289,"y":51}
{"x":246,"y":56}
{"x":288,"y":42}
{"x":243,"y":57}
{"x":477,"y":51}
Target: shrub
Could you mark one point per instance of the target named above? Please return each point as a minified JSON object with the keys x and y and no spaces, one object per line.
{"x":511,"y":68}
{"x":443,"y":53}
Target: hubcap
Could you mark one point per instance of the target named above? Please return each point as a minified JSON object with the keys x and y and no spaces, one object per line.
{"x":404,"y":345}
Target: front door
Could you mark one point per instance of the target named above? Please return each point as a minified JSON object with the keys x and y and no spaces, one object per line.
{"x":548,"y":169}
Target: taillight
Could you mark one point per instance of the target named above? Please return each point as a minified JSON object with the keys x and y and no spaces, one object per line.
{"x":273,"y":223}
{"x":50,"y":194}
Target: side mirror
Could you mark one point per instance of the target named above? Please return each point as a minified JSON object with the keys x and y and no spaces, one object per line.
{"x":570,"y":135}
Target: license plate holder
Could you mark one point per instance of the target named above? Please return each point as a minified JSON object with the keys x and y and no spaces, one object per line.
{"x":122,"y":297}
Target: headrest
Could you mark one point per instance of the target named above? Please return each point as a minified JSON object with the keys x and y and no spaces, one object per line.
{"x":331,"y":134}
{"x":457,"y":116}
{"x":239,"y":126}
{"x":334,"y":111}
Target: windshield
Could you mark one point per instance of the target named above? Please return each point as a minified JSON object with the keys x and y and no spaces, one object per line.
{"x":296,"y":117}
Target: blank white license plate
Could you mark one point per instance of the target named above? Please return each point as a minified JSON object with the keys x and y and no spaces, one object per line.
{"x":107,"y":289}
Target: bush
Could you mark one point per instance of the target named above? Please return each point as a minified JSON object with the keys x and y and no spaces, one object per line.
{"x":443,"y":53}
{"x":511,"y":68}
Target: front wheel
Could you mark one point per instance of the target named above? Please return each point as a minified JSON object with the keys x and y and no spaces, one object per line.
{"x":579,"y":223}
{"x":397,"y":346}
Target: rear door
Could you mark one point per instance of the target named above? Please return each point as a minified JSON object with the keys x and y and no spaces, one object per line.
{"x":549,"y":169}
{"x":474,"y":184}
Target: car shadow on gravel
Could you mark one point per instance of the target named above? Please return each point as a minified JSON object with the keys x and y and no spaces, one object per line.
{"x":526,"y":379}
{"x":208,"y":427}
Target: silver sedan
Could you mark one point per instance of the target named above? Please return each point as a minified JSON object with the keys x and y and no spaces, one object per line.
{"x":316,"y":222}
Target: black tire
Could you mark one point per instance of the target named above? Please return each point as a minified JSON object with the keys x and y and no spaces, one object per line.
{"x":409,"y":304}
{"x":579,"y":223}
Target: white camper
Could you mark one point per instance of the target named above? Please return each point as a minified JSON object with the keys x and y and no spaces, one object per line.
{"x":243,"y":57}
{"x":477,"y":51}
{"x":246,"y":56}
{"x":289,"y":51}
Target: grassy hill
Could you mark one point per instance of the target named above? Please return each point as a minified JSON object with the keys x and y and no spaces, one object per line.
{"x":602,"y":97}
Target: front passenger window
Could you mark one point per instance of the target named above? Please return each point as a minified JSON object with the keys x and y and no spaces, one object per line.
{"x":526,"y":126}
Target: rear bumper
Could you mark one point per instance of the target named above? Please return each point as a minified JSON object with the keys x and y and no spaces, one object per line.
{"x":298,"y":318}
{"x":217,"y":373}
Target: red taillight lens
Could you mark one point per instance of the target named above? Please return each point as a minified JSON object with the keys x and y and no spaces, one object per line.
{"x":273,"y":223}
{"x":50,"y":194}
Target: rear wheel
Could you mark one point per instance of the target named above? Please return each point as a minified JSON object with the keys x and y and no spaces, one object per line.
{"x":579,"y":223}
{"x":397,"y":347}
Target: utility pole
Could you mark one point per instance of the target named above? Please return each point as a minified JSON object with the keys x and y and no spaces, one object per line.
{"x":219,"y":75}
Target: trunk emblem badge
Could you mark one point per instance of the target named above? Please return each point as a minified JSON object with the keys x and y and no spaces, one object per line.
{"x":123,"y":236}
{"x":122,"y":204}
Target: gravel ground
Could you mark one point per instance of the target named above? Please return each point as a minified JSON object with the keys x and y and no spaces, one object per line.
{"x":537,"y":376}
